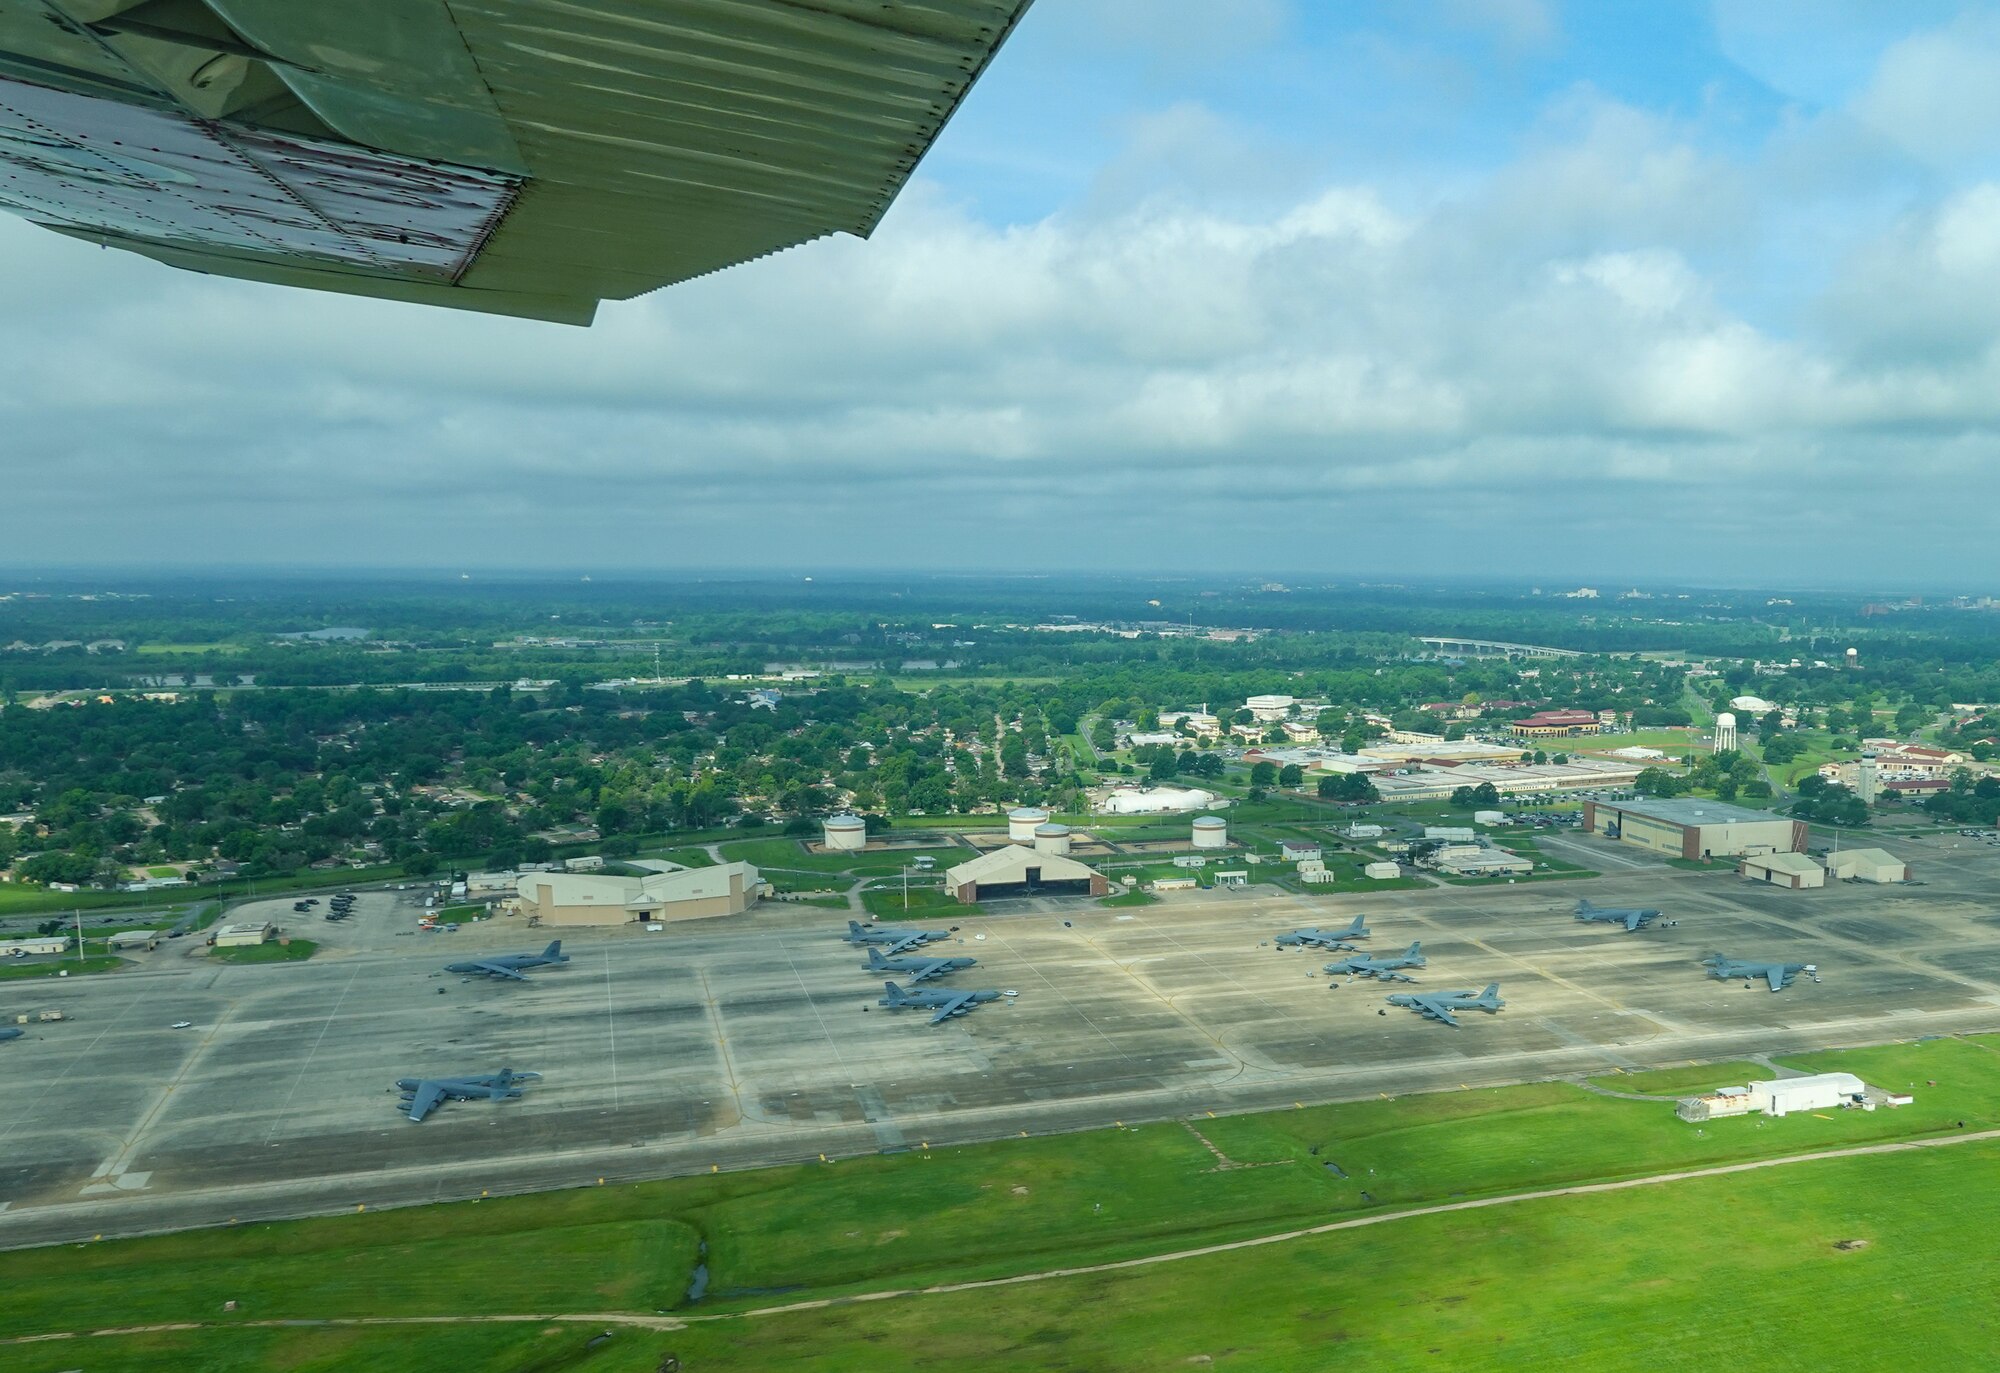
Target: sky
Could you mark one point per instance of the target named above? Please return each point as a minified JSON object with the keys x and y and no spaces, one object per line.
{"x":1615,"y":289}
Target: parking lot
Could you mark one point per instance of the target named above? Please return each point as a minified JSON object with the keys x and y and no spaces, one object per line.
{"x":735,"y":1042}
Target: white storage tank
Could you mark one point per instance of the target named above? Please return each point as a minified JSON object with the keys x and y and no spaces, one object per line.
{"x":846,"y":833}
{"x":1211,"y":832}
{"x":1023,"y":821}
{"x":1052,"y":838}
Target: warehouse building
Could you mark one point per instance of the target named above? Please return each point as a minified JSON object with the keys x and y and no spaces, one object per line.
{"x":1682,"y":827}
{"x":1019,"y":871}
{"x":1470,"y":860}
{"x":1791,"y":870}
{"x":48,"y":943}
{"x":1867,"y":865}
{"x":1783,"y":1096}
{"x":567,"y":898}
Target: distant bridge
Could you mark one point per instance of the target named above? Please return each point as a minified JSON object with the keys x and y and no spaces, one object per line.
{"x":1494,"y":648}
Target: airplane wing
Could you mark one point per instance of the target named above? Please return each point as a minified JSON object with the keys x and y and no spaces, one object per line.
{"x":958,"y":1005}
{"x":499,"y":970}
{"x":1437,"y":1010}
{"x":512,"y":156}
{"x":906,"y":943}
{"x":1775,"y":975}
{"x":926,"y":971}
{"x":1634,"y":919}
{"x":428,"y":1095}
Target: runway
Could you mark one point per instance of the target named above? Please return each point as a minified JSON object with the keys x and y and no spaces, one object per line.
{"x":754,"y":1040}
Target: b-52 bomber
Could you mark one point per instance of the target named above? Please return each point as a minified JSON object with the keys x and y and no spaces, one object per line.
{"x":421,"y":1095}
{"x":511,"y":965}
{"x":1631,"y":917}
{"x":916,"y":969}
{"x":896,"y":941}
{"x":945,"y":1004}
{"x":1440,"y":1005}
{"x":1325,"y":939}
{"x":1778,"y":975}
{"x":1387,"y":968}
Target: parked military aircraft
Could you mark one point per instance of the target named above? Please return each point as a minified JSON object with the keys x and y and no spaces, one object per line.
{"x":916,"y":969}
{"x":1631,"y":917}
{"x":1324,"y":939}
{"x":946,"y":1004}
{"x":1440,"y":1005}
{"x":10,"y":1032}
{"x":1386,"y":968}
{"x":1779,"y":975}
{"x":896,"y":941}
{"x":510,"y":965}
{"x":421,"y":1095}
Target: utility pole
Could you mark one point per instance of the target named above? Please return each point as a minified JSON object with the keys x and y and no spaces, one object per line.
{"x":78,"y":913}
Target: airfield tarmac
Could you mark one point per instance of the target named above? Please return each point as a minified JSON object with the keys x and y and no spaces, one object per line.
{"x":754,"y":1040}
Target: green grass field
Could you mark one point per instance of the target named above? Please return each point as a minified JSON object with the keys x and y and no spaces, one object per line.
{"x":15,"y":968}
{"x":273,"y":952}
{"x":889,"y":903}
{"x":1586,"y":1282}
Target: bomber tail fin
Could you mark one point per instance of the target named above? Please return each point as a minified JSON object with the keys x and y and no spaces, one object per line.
{"x":875,"y":959}
{"x":554,"y":950}
{"x":1357,"y":929}
{"x":1490,"y":998}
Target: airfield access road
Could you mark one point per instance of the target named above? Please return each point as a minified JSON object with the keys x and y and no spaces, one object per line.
{"x":754,"y":1040}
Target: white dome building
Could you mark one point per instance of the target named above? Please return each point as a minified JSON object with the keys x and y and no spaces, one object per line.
{"x":1158,"y":801}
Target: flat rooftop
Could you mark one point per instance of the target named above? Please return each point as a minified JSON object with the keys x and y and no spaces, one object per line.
{"x":1687,"y":810}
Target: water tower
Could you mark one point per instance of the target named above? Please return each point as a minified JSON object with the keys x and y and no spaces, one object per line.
{"x":1725,"y":731}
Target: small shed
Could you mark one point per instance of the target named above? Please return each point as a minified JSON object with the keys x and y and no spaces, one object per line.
{"x":241,"y":936}
{"x":1382,"y":872}
{"x":133,"y":939}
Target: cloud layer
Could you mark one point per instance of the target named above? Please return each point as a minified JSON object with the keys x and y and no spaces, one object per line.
{"x":1646,"y":342}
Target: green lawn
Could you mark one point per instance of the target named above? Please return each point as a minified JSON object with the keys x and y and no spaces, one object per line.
{"x":1688,"y":1081}
{"x":1132,"y":896}
{"x":13,"y":968}
{"x":922,"y":902}
{"x":272,"y":952}
{"x":1650,"y":1278}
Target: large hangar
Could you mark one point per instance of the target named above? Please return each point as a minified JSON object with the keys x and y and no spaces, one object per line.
{"x":1683,"y":827}
{"x":572,"y":898}
{"x":1017,"y":871}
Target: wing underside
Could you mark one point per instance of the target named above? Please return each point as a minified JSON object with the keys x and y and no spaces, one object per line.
{"x":527,"y":157}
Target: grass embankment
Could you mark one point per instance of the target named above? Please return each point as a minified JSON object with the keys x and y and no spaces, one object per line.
{"x":297,"y":951}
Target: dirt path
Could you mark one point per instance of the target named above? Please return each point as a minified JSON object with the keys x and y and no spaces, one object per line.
{"x":1050,"y":1274}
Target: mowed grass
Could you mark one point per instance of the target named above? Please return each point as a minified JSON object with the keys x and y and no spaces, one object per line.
{"x":1665,"y":1278}
{"x":52,"y":966}
{"x":1692,"y":1080}
{"x":561,"y":1252}
{"x":297,"y":951}
{"x":509,"y":1348}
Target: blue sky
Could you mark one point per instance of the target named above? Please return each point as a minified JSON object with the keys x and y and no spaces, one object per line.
{"x":1622,"y":290}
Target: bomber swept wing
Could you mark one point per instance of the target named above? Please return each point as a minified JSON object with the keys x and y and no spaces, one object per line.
{"x":521,"y":157}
